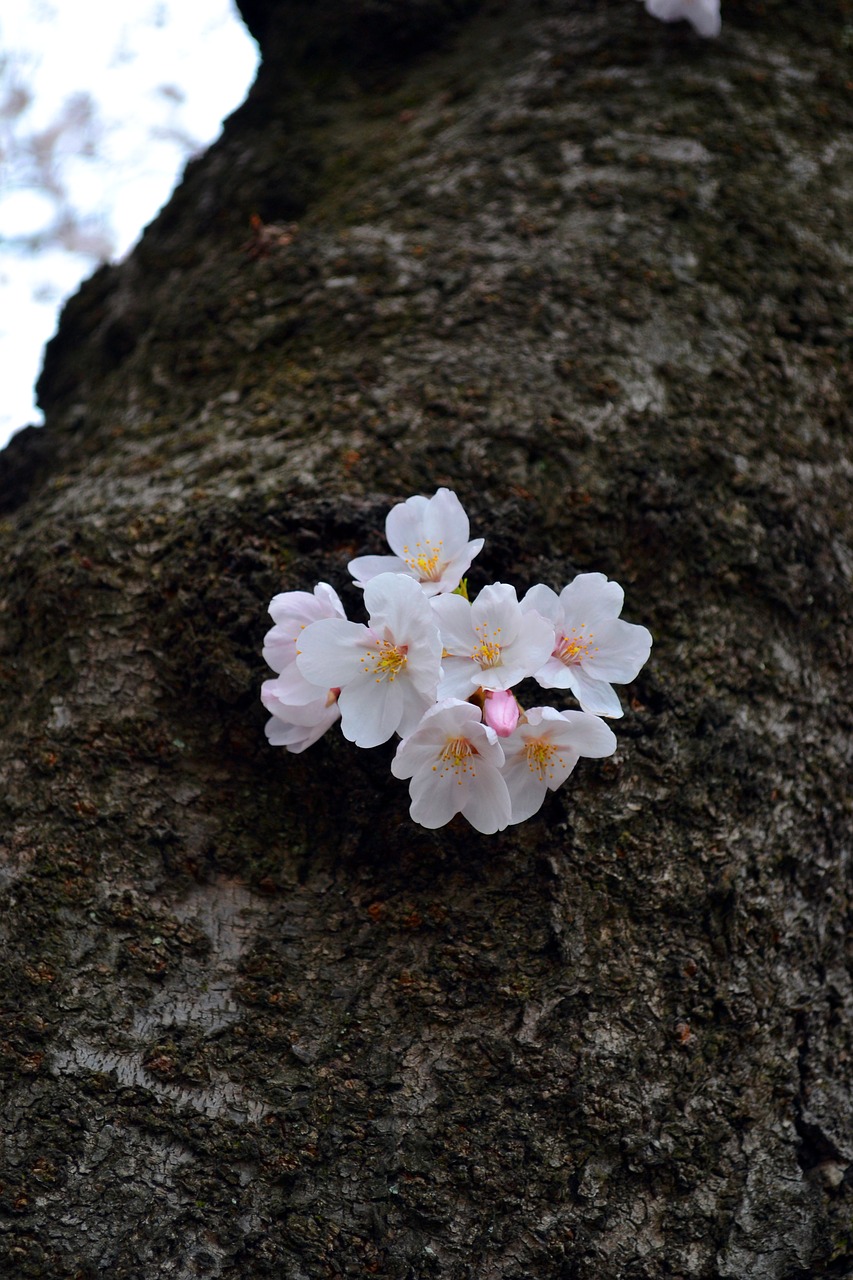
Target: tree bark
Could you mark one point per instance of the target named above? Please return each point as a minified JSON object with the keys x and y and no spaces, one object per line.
{"x":592,"y":273}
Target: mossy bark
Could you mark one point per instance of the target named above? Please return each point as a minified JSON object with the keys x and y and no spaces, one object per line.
{"x":593,"y":273}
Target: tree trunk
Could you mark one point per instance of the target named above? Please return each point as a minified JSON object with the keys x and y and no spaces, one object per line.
{"x":592,"y":273}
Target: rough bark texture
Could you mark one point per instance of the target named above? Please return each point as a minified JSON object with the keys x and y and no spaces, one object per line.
{"x":594,"y":274}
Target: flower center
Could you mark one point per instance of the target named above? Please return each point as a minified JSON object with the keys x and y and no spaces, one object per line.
{"x":488,"y":652}
{"x":425,"y":560}
{"x":385,"y":660}
{"x":572,"y":649}
{"x":541,"y":755}
{"x":458,"y":755}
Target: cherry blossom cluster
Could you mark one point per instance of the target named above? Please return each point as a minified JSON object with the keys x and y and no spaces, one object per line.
{"x":438,"y":670}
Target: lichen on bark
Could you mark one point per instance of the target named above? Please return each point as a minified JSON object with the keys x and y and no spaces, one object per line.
{"x":591,"y":272}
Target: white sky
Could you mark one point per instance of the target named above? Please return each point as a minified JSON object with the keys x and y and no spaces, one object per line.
{"x":160,"y":75}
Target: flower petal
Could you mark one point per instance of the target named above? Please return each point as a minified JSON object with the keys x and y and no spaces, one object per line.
{"x":404,"y":524}
{"x":455,"y":569}
{"x":292,"y":612}
{"x":525,"y":787}
{"x":301,"y":608}
{"x":621,"y":649}
{"x":590,"y":598}
{"x":596,"y":696}
{"x":554,"y":674}
{"x":453,"y":614}
{"x":413,"y":757}
{"x":331,"y":652}
{"x":370,"y":710}
{"x":290,"y":688}
{"x":544,"y":601}
{"x":365,"y":568}
{"x":297,"y":737}
{"x":496,"y":613}
{"x":415,"y":705}
{"x":279,"y":649}
{"x":445,"y":521}
{"x":704,"y":15}
{"x":461,"y":677}
{"x":435,"y":799}
{"x":487,"y":802}
{"x":533,"y":643}
{"x":396,"y":602}
{"x":588,"y":735}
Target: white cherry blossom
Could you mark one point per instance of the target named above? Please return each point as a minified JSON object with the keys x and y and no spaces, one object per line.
{"x":429,"y":538}
{"x":454,"y":763}
{"x":387,"y":671}
{"x":490,"y":643}
{"x":292,"y":612}
{"x":593,"y":645}
{"x":704,"y":15}
{"x":544,"y":749}
{"x":300,"y":712}
{"x":298,"y":726}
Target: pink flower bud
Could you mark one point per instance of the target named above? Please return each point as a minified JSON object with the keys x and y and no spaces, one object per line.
{"x":501,"y":711}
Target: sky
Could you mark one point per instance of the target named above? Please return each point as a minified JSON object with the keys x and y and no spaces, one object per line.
{"x":101,"y":104}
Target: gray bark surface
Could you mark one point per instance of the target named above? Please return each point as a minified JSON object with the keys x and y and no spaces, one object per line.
{"x":592,"y":273}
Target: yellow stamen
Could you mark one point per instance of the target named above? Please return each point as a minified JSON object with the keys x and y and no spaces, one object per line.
{"x":541,"y":755}
{"x":488,"y":651}
{"x":488,"y":654}
{"x":425,"y":560}
{"x":572,"y":649}
{"x":458,"y":754}
{"x":387,"y":660}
